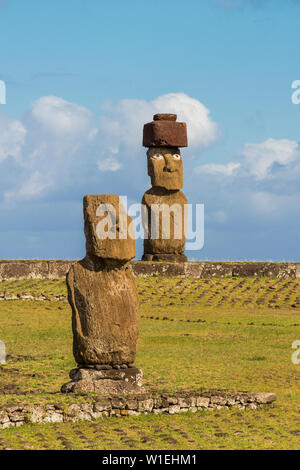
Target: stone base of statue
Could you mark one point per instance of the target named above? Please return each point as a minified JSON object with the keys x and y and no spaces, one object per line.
{"x":167,"y":258}
{"x":105,"y":382}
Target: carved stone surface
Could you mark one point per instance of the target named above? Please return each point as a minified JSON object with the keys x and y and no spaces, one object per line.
{"x":102,"y":214}
{"x":104,"y":303}
{"x":165,"y":218}
{"x":165,"y":167}
{"x":103,"y":296}
{"x":164,"y":131}
{"x":167,"y":258}
{"x":105,"y":382}
{"x":165,"y":236}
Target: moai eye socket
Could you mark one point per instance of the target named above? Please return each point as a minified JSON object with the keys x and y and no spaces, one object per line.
{"x":157,"y":156}
{"x":177,"y":156}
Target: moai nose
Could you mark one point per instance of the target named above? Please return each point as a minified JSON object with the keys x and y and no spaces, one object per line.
{"x":169,"y":163}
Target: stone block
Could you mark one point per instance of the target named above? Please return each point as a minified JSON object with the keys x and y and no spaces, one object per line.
{"x":202,"y":402}
{"x":106,"y":382}
{"x":264,"y":398}
{"x":174,"y":409}
{"x":108,"y":229}
{"x":145,"y":405}
{"x":165,"y":132}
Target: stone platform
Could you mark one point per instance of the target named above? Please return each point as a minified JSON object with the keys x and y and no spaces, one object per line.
{"x":57,"y":269}
{"x":105,"y":381}
{"x":102,"y":407}
{"x":166,"y":258}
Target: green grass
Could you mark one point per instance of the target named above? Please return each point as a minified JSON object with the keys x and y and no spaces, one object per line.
{"x":193,"y":334}
{"x":49,"y":288}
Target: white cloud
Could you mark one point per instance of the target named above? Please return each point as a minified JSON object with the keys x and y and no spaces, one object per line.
{"x":56,"y":133}
{"x":123,"y":122}
{"x":60,"y":117}
{"x":202,"y":130}
{"x":260,"y":186}
{"x":12,"y":138}
{"x":218,"y":169}
{"x":109,"y":164}
{"x":32,"y":187}
{"x":58,"y":140}
{"x":58,"y":143}
{"x":274,"y":205}
{"x":59,"y":153}
{"x":259,"y":159}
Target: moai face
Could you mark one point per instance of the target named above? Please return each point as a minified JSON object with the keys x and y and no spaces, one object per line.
{"x":108,"y":229}
{"x":165,"y":167}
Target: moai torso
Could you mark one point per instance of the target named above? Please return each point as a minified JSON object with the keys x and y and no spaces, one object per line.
{"x":104,"y":321}
{"x":165,"y":210}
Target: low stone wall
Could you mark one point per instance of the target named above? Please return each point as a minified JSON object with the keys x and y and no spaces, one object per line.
{"x":100,"y":407}
{"x":41,"y":298}
{"x":56,"y":269}
{"x":33,"y":269}
{"x":209,"y":269}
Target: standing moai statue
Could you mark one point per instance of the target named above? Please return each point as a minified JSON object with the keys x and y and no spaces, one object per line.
{"x":103,"y":295}
{"x":164,"y":210}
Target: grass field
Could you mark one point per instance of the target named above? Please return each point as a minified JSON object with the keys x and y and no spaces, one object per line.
{"x":233,"y":334}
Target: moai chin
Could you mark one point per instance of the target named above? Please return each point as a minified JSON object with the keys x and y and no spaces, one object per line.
{"x":164,"y":205}
{"x":103,"y":296}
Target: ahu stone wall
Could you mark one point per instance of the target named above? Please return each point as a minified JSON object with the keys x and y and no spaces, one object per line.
{"x":57,"y":269}
{"x":101,"y":407}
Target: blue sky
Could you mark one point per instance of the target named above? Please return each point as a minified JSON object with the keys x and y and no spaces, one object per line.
{"x":83,"y":76}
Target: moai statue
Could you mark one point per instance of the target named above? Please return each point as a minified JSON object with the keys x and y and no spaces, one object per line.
{"x":103,"y":295}
{"x":164,"y":211}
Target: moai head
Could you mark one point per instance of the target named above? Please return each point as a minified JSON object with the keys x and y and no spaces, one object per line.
{"x":108,"y":229}
{"x":165,"y":167}
{"x":164,"y":136}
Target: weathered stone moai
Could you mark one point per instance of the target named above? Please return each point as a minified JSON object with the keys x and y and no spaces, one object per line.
{"x":103,"y":295}
{"x":164,"y":211}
